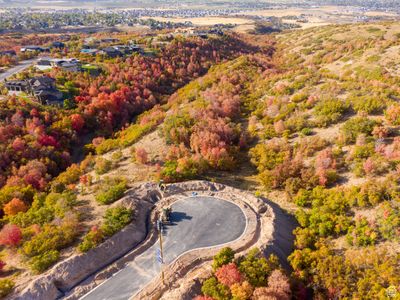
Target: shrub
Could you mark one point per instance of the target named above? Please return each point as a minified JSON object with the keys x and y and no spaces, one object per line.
{"x":177,"y":129}
{"x":216,"y":290}
{"x":368,"y":104}
{"x":256,"y":268}
{"x":50,"y":238}
{"x":69,"y":176}
{"x":223,"y":257}
{"x":107,"y":145}
{"x":362,"y":233}
{"x":392,"y":114}
{"x":10,"y":235}
{"x":61,"y":203}
{"x":45,"y":208}
{"x":296,"y":123}
{"x":181,"y":169}
{"x":15,"y":206}
{"x":93,"y":238}
{"x":306,"y":131}
{"x":102,"y":165}
{"x":356,"y":126}
{"x":329,"y":111}
{"x":388,"y":220}
{"x":117,"y":155}
{"x":363,"y":151}
{"x":141,"y":155}
{"x":115,"y":219}
{"x":7,"y":193}
{"x":6,"y":286}
{"x":268,"y":156}
{"x":308,"y":146}
{"x":111,"y":191}
{"x":42,"y":262}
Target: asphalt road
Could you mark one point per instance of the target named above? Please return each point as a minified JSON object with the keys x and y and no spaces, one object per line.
{"x":196,"y":222}
{"x":16,"y":69}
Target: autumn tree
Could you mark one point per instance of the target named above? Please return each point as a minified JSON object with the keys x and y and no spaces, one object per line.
{"x":212,"y":288}
{"x":257,"y":268}
{"x":15,"y":206}
{"x":242,"y":291}
{"x":10,"y":235}
{"x":229,"y":274}
{"x":223,"y":257}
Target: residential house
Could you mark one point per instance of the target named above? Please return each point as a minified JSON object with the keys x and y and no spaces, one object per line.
{"x":68,"y":64}
{"x":42,"y":88}
{"x":34,"y":49}
{"x":111,"y":52}
{"x":89,"y":51}
{"x":109,"y":40}
{"x":127,"y":49}
{"x":58,"y":45}
{"x":8,"y":52}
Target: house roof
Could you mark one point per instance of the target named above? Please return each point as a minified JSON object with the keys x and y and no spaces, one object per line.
{"x":42,"y":81}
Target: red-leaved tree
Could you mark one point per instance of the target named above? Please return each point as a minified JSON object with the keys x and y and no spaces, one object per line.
{"x":229,"y":274}
{"x":10,"y":235}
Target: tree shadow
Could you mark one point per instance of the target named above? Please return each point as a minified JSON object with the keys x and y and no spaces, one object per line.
{"x":178,"y":216}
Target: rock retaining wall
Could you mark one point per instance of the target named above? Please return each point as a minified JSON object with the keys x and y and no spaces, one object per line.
{"x":74,"y":277}
{"x":68,"y":273}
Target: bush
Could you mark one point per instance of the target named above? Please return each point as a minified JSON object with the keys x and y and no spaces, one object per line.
{"x":45,"y":208}
{"x":6,"y":286}
{"x":15,"y":206}
{"x":107,"y":145}
{"x":69,"y":176}
{"x":111,"y":191}
{"x":115,"y":219}
{"x":329,"y":111}
{"x":257,"y":268}
{"x":268,"y":156}
{"x":211,"y":287}
{"x":94,"y":237}
{"x":363,"y":151}
{"x":188,"y":169}
{"x":296,"y":123}
{"x":177,"y":129}
{"x":368,"y":104}
{"x":7,"y":193}
{"x":141,"y":156}
{"x":362,"y":233}
{"x":102,"y":165}
{"x":389,"y":221}
{"x":392,"y":114}
{"x":356,"y":126}
{"x":10,"y":235}
{"x":50,"y":238}
{"x":306,"y":131}
{"x":224,"y":256}
{"x":41,"y":263}
{"x":117,"y":155}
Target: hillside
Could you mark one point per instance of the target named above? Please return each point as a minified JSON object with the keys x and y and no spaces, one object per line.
{"x":318,"y":122}
{"x":308,"y":119}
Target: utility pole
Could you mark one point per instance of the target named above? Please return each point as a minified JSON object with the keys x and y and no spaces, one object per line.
{"x":161,"y":250}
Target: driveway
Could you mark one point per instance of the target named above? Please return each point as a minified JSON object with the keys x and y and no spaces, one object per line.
{"x":16,"y":69}
{"x":196,"y":222}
